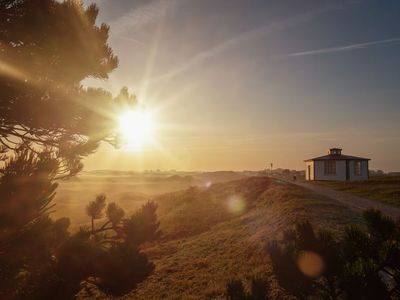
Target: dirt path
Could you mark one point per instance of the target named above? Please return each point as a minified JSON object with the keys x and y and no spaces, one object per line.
{"x":352,"y":201}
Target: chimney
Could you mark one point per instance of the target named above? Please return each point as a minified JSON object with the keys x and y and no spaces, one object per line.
{"x":335,"y":151}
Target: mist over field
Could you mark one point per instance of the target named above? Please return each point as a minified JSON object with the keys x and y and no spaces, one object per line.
{"x":129,"y":189}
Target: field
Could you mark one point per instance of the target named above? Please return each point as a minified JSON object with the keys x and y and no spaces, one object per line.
{"x":129,"y":189}
{"x":381,"y":188}
{"x":211,"y":233}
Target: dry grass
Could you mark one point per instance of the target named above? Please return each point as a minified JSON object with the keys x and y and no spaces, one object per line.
{"x":211,"y":234}
{"x":381,"y":188}
{"x":206,"y":243}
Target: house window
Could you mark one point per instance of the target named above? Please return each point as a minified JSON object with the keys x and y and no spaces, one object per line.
{"x":330,"y":167}
{"x":357,"y":168}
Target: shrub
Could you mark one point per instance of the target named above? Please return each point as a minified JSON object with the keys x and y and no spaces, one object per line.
{"x":359,"y":265}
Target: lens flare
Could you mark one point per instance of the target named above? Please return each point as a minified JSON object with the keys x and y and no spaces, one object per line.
{"x":236,"y":204}
{"x":310,"y":263}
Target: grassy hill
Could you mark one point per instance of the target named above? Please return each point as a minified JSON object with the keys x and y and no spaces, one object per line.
{"x":217,"y":233}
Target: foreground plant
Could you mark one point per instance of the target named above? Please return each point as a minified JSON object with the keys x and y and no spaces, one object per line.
{"x":361,"y":264}
{"x":48,"y":123}
{"x":40,"y":259}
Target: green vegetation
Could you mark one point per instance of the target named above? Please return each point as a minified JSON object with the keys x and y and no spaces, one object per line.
{"x":381,"y":188}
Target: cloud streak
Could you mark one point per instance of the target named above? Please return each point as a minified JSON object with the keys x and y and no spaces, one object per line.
{"x":360,"y":46}
{"x":142,"y":15}
{"x":242,"y":38}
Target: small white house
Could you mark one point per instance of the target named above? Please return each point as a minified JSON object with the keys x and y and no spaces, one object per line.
{"x":336,"y":166}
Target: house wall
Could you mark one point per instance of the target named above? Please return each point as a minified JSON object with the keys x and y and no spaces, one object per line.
{"x":311,"y":175}
{"x":320,"y":172}
{"x":317,"y":171}
{"x":364,"y":170}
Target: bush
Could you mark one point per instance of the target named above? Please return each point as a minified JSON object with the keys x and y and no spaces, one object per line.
{"x":359,"y":265}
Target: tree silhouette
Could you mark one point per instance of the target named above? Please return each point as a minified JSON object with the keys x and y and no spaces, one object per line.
{"x":47,"y":48}
{"x":41,"y":260}
{"x":143,"y":225}
{"x":105,"y":256}
{"x":95,"y":209}
{"x":28,"y":237}
{"x":48,"y":123}
{"x":114,"y":214}
{"x":26,"y":192}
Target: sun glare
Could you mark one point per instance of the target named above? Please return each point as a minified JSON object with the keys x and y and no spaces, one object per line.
{"x":136,"y":129}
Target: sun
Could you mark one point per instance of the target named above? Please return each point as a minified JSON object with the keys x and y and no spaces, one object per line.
{"x":136,"y":128}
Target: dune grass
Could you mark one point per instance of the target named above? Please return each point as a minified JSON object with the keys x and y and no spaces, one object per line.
{"x":208,"y":241}
{"x":385,"y":189}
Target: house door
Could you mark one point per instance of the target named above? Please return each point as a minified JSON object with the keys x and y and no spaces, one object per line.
{"x":347,"y":170}
{"x":309,"y":172}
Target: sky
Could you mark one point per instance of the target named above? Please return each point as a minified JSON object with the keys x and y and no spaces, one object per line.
{"x":237,"y":85}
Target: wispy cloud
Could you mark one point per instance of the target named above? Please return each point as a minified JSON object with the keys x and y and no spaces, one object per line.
{"x":245,"y":37}
{"x":373,"y":44}
{"x":142,"y":15}
{"x":129,"y":39}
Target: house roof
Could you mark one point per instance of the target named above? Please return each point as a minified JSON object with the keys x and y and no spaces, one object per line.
{"x":337,"y":157}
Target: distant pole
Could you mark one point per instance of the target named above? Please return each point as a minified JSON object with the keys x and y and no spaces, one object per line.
{"x":271,"y":168}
